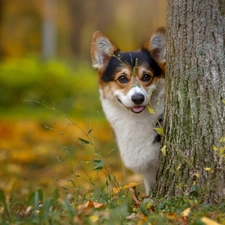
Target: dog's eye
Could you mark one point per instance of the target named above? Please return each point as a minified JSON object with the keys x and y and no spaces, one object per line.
{"x":146,"y":78}
{"x":123,"y":79}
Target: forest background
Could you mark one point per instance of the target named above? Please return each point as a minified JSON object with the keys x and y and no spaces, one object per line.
{"x":49,"y":97}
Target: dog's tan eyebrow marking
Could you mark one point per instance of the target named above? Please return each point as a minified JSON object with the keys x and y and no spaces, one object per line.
{"x":143,"y":69}
{"x":124,"y":71}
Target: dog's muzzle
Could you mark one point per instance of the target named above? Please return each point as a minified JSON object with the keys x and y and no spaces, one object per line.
{"x":138,"y":99}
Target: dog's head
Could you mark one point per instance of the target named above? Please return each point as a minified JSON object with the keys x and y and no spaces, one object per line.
{"x":129,"y":77}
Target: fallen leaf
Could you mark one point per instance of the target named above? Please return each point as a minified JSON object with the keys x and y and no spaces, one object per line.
{"x":98,"y":205}
{"x":208,"y":221}
{"x":116,"y":190}
{"x":186,"y":212}
{"x":131,"y":216}
{"x":94,"y":218}
{"x":182,"y":221}
{"x":132,"y":184}
{"x":171,"y":216}
{"x":142,"y":218}
{"x":90,"y":204}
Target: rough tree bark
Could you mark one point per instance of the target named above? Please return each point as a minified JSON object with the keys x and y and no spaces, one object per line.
{"x":194,"y":118}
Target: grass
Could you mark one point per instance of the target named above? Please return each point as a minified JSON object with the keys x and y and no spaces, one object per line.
{"x":69,"y":179}
{"x":102,"y":207}
{"x":57,"y":170}
{"x":74,"y":185}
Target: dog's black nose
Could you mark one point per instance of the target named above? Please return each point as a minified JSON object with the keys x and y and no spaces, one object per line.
{"x":138,"y":98}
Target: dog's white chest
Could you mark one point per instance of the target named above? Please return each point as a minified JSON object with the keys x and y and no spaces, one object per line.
{"x":135,"y":135}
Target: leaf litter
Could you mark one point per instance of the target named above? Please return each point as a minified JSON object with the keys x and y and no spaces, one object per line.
{"x":126,"y":201}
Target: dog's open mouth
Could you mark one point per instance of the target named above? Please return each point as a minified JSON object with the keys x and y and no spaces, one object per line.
{"x":137,"y":109}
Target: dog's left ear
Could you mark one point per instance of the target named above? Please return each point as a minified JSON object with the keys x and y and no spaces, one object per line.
{"x":157,"y":47}
{"x":102,"y":49}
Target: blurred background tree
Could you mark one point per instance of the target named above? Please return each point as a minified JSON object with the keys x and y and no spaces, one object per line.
{"x":49,"y":30}
{"x":25,"y":24}
{"x":38,"y":31}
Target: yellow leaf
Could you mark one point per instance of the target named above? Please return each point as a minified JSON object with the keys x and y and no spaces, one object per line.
{"x":116,"y":190}
{"x":159,"y":131}
{"x":179,"y":166}
{"x":214,"y":148}
{"x":221,"y":150}
{"x":151,"y":110}
{"x":171,"y":216}
{"x":132,"y":184}
{"x":197,"y":175}
{"x":186,"y":212}
{"x":223,"y":100}
{"x":222,"y":139}
{"x":208,"y":221}
{"x":94,"y":218}
{"x":207,"y":168}
{"x":163,"y":150}
{"x":186,"y":160}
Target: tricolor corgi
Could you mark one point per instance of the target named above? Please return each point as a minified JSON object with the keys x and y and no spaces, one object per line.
{"x":130,"y":83}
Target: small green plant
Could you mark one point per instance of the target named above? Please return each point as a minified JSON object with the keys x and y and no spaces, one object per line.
{"x":52,"y":81}
{"x":5,"y":206}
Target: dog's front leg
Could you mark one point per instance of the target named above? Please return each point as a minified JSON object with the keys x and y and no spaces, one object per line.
{"x":149,"y":179}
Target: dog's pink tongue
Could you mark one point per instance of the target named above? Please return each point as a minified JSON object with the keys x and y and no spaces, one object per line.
{"x":138,"y":109}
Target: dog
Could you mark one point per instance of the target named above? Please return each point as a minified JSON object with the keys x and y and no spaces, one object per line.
{"x":132,"y":87}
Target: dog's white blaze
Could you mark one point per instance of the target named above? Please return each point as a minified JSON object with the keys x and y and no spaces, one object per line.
{"x":126,"y":98}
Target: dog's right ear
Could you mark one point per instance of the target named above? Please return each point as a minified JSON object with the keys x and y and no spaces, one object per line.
{"x":157,"y":47}
{"x":102,"y":50}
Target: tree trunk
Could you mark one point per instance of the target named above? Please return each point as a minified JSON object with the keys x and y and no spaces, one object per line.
{"x":194,"y":120}
{"x":49,"y":30}
{"x":1,"y":29}
{"x":78,"y":20}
